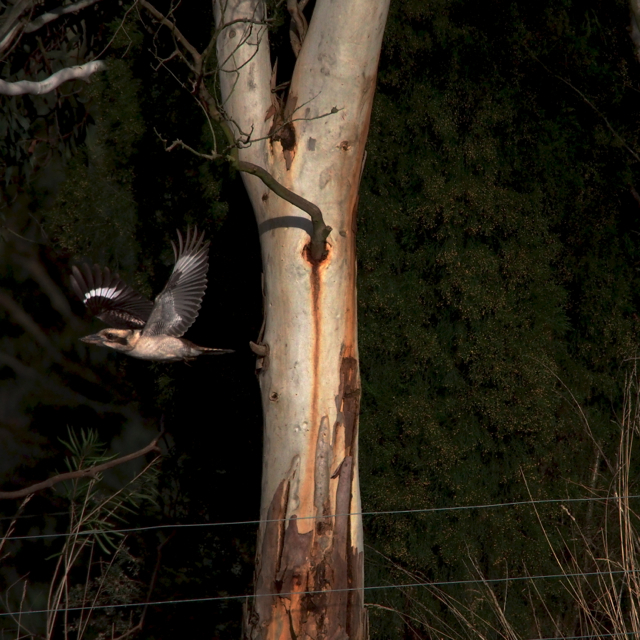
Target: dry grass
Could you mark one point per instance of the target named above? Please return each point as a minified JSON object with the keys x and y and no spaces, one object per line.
{"x":94,"y":568}
{"x":603,"y":604}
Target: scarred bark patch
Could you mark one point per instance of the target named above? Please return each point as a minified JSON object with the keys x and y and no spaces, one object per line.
{"x":350,"y":393}
{"x":312,"y":581}
{"x":257,"y":615}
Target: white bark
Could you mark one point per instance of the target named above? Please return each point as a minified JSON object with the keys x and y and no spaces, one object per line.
{"x":13,"y":25}
{"x":337,"y":67}
{"x":54,"y":14}
{"x":243,"y":55}
{"x":309,"y":380}
{"x":81,"y":72}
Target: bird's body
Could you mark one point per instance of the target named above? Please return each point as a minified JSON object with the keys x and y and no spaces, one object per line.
{"x":140,"y":328}
{"x":159,"y":348}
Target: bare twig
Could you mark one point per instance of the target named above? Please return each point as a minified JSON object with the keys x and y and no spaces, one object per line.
{"x":91,"y":472}
{"x":593,"y":106}
{"x":49,"y":16}
{"x":115,"y":33}
{"x":12,"y":524}
{"x":22,"y":318}
{"x":64,"y":394}
{"x":193,"y":52}
{"x":152,"y":585}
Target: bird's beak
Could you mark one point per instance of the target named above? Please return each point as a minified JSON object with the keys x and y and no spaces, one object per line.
{"x":93,"y":339}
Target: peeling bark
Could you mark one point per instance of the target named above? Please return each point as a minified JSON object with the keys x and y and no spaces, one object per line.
{"x":350,"y":395}
{"x":268,"y":560}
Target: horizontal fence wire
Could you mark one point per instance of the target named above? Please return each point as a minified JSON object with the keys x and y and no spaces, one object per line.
{"x":591,"y":636}
{"x":198,"y":525}
{"x":410,"y":585}
{"x":370,"y":588}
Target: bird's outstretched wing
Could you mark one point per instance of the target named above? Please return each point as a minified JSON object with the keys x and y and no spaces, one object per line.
{"x":176,"y":308}
{"x":109,"y":298}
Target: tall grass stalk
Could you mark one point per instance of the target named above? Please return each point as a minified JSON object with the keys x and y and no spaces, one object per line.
{"x":602,"y":541}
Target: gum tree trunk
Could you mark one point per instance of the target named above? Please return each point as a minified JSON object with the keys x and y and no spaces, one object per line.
{"x":309,"y":375}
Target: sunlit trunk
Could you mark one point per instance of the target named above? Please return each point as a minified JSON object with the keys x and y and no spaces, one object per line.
{"x":309,"y":565}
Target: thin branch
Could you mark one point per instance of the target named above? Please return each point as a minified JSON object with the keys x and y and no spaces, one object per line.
{"x":64,"y":394}
{"x":593,"y":106}
{"x":248,"y":141}
{"x":22,"y":318}
{"x":18,"y":621}
{"x":245,"y":38}
{"x":91,"y":472}
{"x":152,"y":585}
{"x":117,"y":31}
{"x":320,"y":230}
{"x":579,"y":411}
{"x":8,"y":38}
{"x":162,"y":62}
{"x":81,"y":72}
{"x":12,"y":524}
{"x":174,"y":30}
{"x":13,"y":22}
{"x":54,"y":14}
{"x":179,"y":144}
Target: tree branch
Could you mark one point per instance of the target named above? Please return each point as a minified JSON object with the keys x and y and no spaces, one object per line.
{"x":47,"y":17}
{"x":17,"y":23}
{"x":13,"y":22}
{"x":298,"y":27}
{"x":174,"y":30}
{"x":91,"y":472}
{"x":320,"y":230}
{"x":81,"y":72}
{"x":593,"y":106}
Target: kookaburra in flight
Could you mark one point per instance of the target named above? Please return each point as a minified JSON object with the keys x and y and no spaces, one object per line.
{"x":145,"y":329}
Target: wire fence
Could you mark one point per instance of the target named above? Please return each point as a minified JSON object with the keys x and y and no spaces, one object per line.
{"x":410,"y":585}
{"x":198,"y":525}
{"x":591,"y":636}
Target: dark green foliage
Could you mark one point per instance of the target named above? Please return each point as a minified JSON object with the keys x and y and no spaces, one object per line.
{"x":117,"y":199}
{"x":498,"y":253}
{"x":44,"y":132}
{"x":97,"y":203}
{"x":498,"y":262}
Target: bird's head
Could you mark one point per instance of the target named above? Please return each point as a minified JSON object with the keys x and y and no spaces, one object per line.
{"x":118,"y":339}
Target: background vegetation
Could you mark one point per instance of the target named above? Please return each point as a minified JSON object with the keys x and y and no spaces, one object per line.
{"x":498,"y":279}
